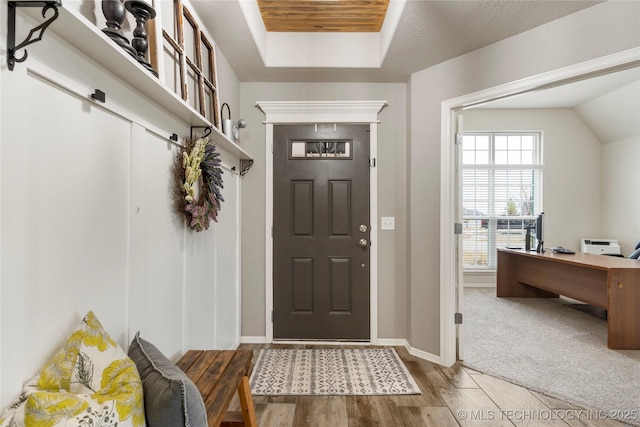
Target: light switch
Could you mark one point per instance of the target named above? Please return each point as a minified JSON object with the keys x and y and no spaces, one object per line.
{"x":388,"y":223}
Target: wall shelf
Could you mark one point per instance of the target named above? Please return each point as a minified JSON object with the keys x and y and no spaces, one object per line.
{"x":81,"y":33}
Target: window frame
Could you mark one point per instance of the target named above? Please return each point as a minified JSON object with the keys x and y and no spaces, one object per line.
{"x":183,"y":16}
{"x":492,"y":217}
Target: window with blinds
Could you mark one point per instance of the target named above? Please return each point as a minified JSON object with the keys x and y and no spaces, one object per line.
{"x":501,"y":193}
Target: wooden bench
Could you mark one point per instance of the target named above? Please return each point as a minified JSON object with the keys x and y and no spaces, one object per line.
{"x":218,"y":374}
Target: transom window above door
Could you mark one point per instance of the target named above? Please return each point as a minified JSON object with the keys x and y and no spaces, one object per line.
{"x":333,"y":149}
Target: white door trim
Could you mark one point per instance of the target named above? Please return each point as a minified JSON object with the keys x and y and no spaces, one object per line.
{"x":299,"y":112}
{"x":607,"y":64}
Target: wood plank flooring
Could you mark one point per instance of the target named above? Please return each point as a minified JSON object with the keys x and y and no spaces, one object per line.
{"x":455,"y":396}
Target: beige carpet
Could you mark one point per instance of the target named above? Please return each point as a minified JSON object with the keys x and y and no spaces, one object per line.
{"x":547,"y":346}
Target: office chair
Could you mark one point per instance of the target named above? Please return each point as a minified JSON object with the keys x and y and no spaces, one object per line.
{"x":636,"y":252}
{"x":634,"y":255}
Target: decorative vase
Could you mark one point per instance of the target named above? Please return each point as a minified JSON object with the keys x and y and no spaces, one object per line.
{"x":115,"y":13}
{"x":142,"y":11}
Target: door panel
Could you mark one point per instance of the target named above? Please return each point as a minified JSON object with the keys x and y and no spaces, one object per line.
{"x":302,"y":285}
{"x":340,"y":285}
{"x":339,"y":198}
{"x":302,"y":194}
{"x":321,"y":199}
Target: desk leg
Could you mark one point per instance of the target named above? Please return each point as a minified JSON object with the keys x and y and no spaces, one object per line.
{"x":517,"y":275}
{"x":246,"y":402}
{"x":623,"y":316}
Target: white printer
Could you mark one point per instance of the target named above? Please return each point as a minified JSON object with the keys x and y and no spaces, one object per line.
{"x":599,"y":246}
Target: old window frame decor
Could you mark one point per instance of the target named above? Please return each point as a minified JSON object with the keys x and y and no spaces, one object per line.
{"x":196,"y":63}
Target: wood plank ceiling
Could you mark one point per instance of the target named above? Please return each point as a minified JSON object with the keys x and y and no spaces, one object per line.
{"x":323,"y":15}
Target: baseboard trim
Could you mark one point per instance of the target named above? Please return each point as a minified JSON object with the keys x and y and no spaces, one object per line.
{"x":412,"y":351}
{"x":384,"y":342}
{"x":426,"y":356}
{"x":313,"y":342}
{"x":479,"y":285}
{"x":253,"y":340}
{"x":393,"y":342}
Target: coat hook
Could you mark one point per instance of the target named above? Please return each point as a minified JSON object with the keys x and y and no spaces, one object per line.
{"x":174,"y":137}
{"x":99,"y":95}
{"x":207,"y":132}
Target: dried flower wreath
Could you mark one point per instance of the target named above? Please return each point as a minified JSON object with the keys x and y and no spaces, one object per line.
{"x":198,"y":162}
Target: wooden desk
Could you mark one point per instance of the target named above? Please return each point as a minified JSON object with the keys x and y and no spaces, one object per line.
{"x":611,"y":283}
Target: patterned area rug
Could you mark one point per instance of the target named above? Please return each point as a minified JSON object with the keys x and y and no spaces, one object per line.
{"x":331,"y":372}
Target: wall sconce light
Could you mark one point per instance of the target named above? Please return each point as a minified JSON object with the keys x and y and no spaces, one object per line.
{"x":229,"y":127}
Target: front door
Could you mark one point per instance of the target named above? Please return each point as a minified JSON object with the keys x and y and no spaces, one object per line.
{"x":321,"y":232}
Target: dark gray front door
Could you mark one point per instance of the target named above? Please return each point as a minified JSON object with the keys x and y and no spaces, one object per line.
{"x":321,"y":232}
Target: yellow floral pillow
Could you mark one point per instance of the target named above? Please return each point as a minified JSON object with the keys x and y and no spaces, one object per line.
{"x":90,"y":382}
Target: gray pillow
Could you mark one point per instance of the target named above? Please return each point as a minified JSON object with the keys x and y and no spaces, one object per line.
{"x":171,"y":399}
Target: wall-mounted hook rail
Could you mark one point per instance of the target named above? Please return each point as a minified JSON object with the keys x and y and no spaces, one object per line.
{"x":99,"y":96}
{"x":207,"y":130}
{"x":12,"y":48}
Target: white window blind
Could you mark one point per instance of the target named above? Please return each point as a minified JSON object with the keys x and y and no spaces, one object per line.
{"x":501,"y":193}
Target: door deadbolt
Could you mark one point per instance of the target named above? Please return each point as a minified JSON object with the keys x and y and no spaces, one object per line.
{"x":363,"y":228}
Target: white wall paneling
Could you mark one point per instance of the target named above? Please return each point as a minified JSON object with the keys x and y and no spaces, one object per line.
{"x":227,"y":298}
{"x":163,"y":246}
{"x":87,"y":223}
{"x":65,"y":176}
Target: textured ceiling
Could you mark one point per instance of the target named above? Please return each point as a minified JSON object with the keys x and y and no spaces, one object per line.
{"x":429,"y":32}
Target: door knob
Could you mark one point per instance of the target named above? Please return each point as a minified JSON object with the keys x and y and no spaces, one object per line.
{"x":363,"y":243}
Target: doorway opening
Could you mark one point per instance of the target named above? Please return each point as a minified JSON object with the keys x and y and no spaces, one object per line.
{"x":450,"y":214}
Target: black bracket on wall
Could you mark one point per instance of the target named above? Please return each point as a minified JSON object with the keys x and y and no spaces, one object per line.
{"x":207,"y":130}
{"x":245,"y":165}
{"x":12,"y":48}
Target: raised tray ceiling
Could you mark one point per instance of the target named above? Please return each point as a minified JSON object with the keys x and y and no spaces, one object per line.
{"x":323,"y":16}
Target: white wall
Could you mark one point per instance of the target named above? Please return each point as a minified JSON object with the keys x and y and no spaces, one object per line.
{"x":86,"y":218}
{"x":614,"y":118}
{"x":621,"y":198}
{"x":594,"y":32}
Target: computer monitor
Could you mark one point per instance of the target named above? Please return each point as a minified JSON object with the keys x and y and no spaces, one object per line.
{"x":540,"y":232}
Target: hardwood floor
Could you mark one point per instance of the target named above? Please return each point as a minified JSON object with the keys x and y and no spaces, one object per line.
{"x":455,"y":396}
